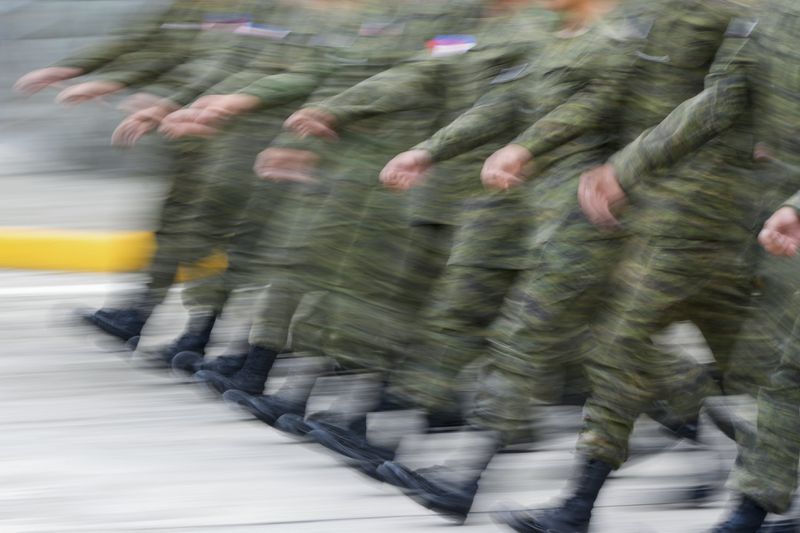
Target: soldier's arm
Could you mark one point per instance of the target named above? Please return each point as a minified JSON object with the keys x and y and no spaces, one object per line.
{"x":407,"y":86}
{"x":697,"y":120}
{"x":487,"y":119}
{"x":415,"y":83}
{"x":298,"y":82}
{"x":591,"y":108}
{"x":122,"y":41}
{"x":163,"y":48}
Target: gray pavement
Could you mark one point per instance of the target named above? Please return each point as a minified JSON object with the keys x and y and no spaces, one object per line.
{"x":94,"y":441}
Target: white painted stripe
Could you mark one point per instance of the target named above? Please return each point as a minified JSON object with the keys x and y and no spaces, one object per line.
{"x":67,"y":289}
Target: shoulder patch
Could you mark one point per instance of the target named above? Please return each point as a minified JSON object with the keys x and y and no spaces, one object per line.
{"x":450,"y":45}
{"x":510,"y":74}
{"x":741,"y":28}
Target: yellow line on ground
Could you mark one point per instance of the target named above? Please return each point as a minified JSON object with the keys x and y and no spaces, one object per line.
{"x":87,"y":251}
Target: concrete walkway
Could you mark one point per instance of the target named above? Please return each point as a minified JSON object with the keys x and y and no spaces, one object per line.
{"x":94,"y":442}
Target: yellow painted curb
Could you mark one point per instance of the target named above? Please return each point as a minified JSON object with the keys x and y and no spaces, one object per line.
{"x":88,"y":251}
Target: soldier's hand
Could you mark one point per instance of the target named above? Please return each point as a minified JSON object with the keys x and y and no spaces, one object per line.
{"x":227,"y":104}
{"x":35,"y":81}
{"x":406,"y":170}
{"x":205,"y":116}
{"x":310,"y":122}
{"x":187,"y":122}
{"x":600,"y":194}
{"x":139,"y":101}
{"x":140,"y":123}
{"x":91,"y":90}
{"x":781,"y":233}
{"x":286,"y":164}
{"x":506,"y":168}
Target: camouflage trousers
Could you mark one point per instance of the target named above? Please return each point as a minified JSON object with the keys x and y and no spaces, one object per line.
{"x":451,"y":333}
{"x":186,"y":162}
{"x":766,"y":470}
{"x":541,"y":340}
{"x":369,"y":251}
{"x":662,"y":280}
{"x":212,"y":184}
{"x":270,"y":256}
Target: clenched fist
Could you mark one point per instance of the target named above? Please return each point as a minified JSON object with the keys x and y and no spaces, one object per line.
{"x":600,"y":194}
{"x":781,"y":233}
{"x":506,"y":168}
{"x":310,"y":122}
{"x":286,"y":164}
{"x":406,"y":170}
{"x":140,"y":123}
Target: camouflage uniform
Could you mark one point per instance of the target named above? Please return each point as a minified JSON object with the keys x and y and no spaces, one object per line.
{"x":573,"y":116}
{"x":693,"y":258}
{"x":293,"y":242}
{"x":230,"y":206}
{"x":767,"y":473}
{"x":145,"y":49}
{"x":450,"y":84}
{"x":194,"y":48}
{"x":764,"y":74}
{"x":543,"y":332}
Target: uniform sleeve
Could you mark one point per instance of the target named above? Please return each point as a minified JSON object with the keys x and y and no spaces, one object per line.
{"x":148,"y":63}
{"x":298,"y":82}
{"x":407,"y":86}
{"x":123,"y":41}
{"x":487,"y":119}
{"x":589,"y":109}
{"x":694,"y":122}
{"x":165,"y":45}
{"x":794,"y":201}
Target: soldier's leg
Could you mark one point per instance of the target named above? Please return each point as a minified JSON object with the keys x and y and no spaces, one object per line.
{"x":371,"y":301}
{"x":448,"y":334}
{"x":767,"y":471}
{"x":542,"y":332}
{"x":745,"y":356}
{"x":187,"y":180}
{"x":464,"y":302}
{"x":127,"y":321}
{"x":487,"y":254}
{"x":627,"y":372}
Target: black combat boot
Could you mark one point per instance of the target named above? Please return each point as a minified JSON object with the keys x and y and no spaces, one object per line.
{"x":250,"y":378}
{"x":443,"y":489}
{"x":194,"y":339}
{"x":193,"y":362}
{"x":123,"y":323}
{"x":747,"y":517}
{"x":433,"y":488}
{"x":267,"y":408}
{"x":573,"y":515}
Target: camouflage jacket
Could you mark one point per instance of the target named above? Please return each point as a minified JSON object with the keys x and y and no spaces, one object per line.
{"x":713,"y":189}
